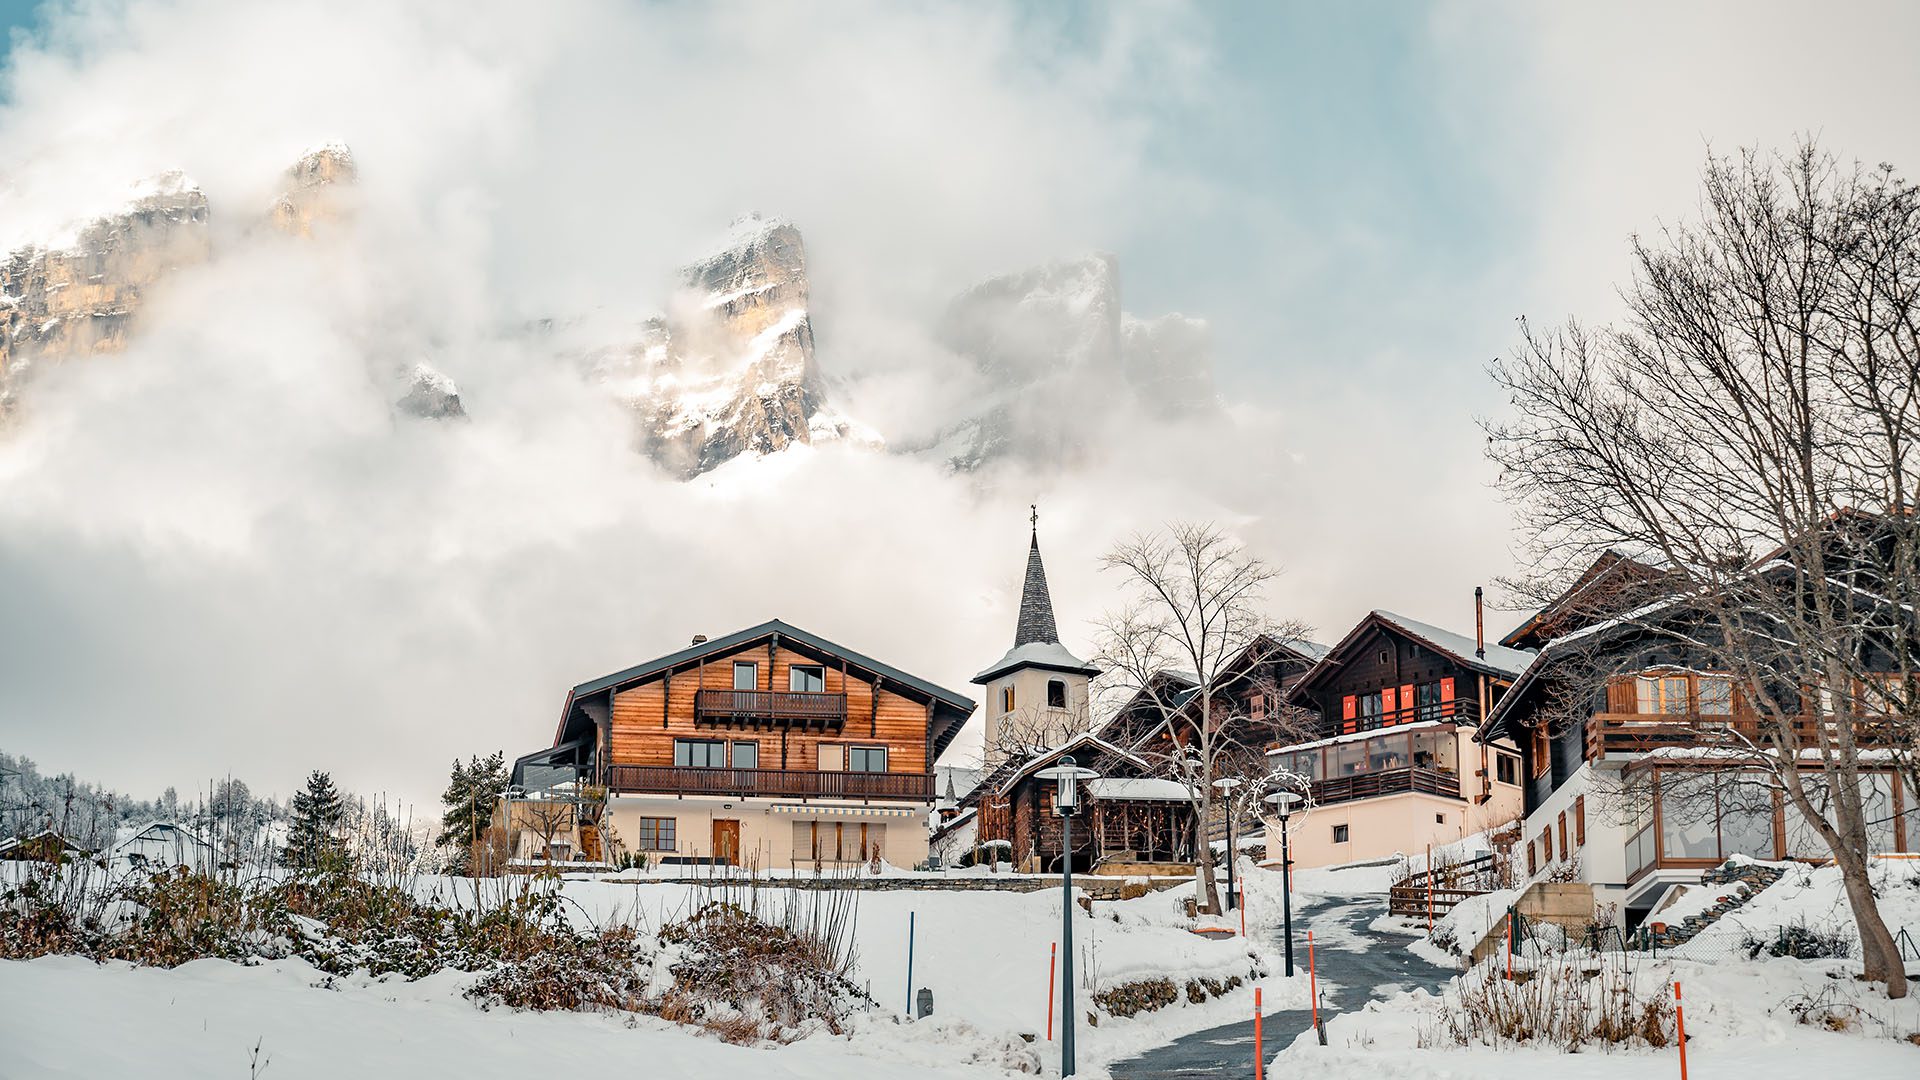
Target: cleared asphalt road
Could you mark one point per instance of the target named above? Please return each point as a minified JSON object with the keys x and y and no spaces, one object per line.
{"x":1355,"y":965}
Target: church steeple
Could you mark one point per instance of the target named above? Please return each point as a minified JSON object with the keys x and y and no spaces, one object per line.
{"x":1036,"y":605}
{"x":1038,"y":687}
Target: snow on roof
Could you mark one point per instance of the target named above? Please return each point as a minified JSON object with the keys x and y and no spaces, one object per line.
{"x":1046,"y":654}
{"x":1358,"y":736}
{"x":1499,"y":657}
{"x":1128,"y":787}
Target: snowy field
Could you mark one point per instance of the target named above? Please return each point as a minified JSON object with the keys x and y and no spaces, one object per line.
{"x":984,"y":956}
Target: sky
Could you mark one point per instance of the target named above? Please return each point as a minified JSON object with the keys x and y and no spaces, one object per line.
{"x":219,"y":554}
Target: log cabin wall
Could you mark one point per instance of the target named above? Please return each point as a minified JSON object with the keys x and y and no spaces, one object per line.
{"x":1382,"y":661}
{"x":648,"y":718}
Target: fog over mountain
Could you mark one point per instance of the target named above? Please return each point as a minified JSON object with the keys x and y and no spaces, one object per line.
{"x":375,"y":372}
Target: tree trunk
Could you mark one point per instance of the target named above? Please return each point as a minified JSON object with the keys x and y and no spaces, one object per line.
{"x":1208,"y":890}
{"x":1878,"y":953}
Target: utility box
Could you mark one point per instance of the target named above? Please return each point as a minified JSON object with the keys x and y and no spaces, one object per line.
{"x":923,"y":1003}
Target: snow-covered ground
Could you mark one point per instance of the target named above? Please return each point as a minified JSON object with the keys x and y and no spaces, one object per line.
{"x":983,"y":954}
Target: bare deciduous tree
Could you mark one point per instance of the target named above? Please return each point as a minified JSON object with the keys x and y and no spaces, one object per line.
{"x":1193,"y":608}
{"x":1749,"y":430}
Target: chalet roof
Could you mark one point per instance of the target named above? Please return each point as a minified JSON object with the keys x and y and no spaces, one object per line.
{"x":1036,"y":638}
{"x":956,"y":703}
{"x":1500,"y":660}
{"x":1143,"y":788}
{"x":1612,"y":567}
{"x":1083,"y":740}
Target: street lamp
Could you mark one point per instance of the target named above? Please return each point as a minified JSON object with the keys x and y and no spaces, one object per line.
{"x":1226,"y":784}
{"x":1068,"y":774}
{"x":1283,"y":803}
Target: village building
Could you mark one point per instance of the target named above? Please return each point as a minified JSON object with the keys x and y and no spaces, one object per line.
{"x":771,"y":747}
{"x":1635,"y":779}
{"x":1391,"y":764}
{"x":163,"y":845}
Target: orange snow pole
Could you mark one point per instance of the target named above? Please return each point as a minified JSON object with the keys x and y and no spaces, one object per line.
{"x":1313,"y":983}
{"x":1052,"y":962}
{"x":1680,"y":1023}
{"x":1243,"y":914}
{"x":1509,"y":946}
{"x":1259,"y":1056}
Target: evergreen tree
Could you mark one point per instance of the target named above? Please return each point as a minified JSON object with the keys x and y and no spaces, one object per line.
{"x":472,"y":792}
{"x":317,"y":810}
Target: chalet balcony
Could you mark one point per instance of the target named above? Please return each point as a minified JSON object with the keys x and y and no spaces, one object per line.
{"x":1630,"y":734}
{"x":1459,"y":711}
{"x":770,"y":709}
{"x":1367,"y":785}
{"x":769,"y":783}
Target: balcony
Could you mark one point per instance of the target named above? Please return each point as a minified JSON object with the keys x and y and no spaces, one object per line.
{"x":1635,"y":733}
{"x":770,"y":783}
{"x":770,"y":708}
{"x":1367,"y":785}
{"x":1458,"y":711}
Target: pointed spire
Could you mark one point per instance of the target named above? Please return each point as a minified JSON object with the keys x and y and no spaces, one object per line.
{"x":1036,"y":605}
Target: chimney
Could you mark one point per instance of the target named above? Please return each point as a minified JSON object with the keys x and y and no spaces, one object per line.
{"x":701,"y":639}
{"x":1479,"y":626}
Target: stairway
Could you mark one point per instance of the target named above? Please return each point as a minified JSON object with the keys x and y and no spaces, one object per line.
{"x":1755,"y":876}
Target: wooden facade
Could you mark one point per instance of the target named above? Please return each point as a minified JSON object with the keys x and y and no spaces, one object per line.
{"x":1016,"y":808}
{"x":772,"y":712}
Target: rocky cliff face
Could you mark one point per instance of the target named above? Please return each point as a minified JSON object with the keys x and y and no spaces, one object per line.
{"x":81,"y":295}
{"x":730,"y":369}
{"x":84,"y":294}
{"x":1056,"y":349}
{"x":315,"y":193}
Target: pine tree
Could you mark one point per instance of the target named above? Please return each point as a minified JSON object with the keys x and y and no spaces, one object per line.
{"x":472,"y":792}
{"x":317,"y":811}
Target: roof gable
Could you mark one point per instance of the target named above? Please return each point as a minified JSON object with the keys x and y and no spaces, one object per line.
{"x":1499,"y":661}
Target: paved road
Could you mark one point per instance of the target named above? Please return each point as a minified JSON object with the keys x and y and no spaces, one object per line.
{"x":1355,"y":965}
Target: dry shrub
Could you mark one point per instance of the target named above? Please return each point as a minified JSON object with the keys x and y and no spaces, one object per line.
{"x":727,"y":963}
{"x":1567,"y":1001}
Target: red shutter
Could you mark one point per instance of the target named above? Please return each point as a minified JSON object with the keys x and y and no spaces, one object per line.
{"x":1406,"y":701}
{"x":1347,"y":707}
{"x":1446,"y":696}
{"x":1386,"y":707}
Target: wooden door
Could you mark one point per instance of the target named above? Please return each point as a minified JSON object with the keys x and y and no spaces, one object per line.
{"x":726,"y":840}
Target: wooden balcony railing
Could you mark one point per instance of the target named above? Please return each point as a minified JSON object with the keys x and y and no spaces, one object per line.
{"x":1640,"y":733}
{"x":770,"y":783}
{"x":1458,"y":711}
{"x":770,"y":707}
{"x":1366,"y":785}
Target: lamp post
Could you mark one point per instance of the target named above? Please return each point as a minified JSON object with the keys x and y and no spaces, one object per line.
{"x":1068,"y":774}
{"x":1283,"y":803}
{"x":1226,"y":784}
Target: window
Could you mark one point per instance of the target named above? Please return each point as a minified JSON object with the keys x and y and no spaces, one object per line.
{"x":746,"y":675}
{"x":807,"y":679}
{"x":746,"y":755}
{"x":1439,"y":819}
{"x":833,"y":757}
{"x":1006,"y":699}
{"x":1506,"y":768}
{"x":1056,"y":694}
{"x":838,"y":841}
{"x":1257,"y":706}
{"x":1340,"y":834}
{"x":654,"y":834}
{"x":1370,"y":710}
{"x":700,"y":753}
{"x":866,"y":759}
{"x":1716,"y":695}
{"x":1426,"y":701}
{"x":1661,"y":694}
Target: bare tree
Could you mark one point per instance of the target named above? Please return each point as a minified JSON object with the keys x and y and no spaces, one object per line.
{"x":1750,"y":431}
{"x":1193,"y":608}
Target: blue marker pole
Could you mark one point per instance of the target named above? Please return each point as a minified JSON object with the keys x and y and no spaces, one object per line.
{"x":910,"y":916}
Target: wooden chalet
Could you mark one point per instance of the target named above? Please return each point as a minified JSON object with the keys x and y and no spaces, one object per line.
{"x":1388,"y":761}
{"x":1127,"y":815}
{"x":771,"y":746}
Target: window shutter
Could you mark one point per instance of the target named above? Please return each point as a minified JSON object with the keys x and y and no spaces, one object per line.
{"x":832,"y":757}
{"x":1533,"y":865}
{"x":1580,"y":820}
{"x":1620,"y":696}
{"x":1446,"y":696}
{"x":1386,"y":707}
{"x":1563,"y":836}
{"x":1347,"y":707}
{"x":1406,"y":701}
